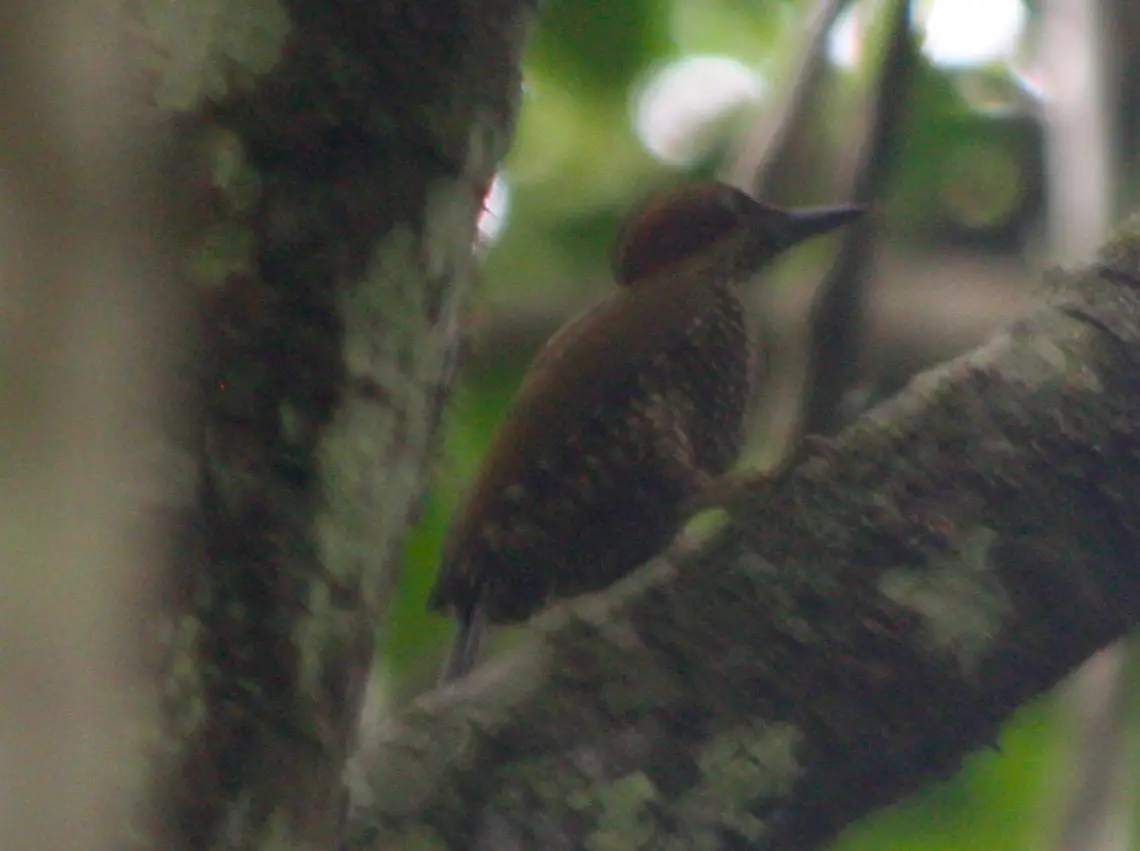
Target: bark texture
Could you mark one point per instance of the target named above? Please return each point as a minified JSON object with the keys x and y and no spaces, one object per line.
{"x":338,"y":154}
{"x":845,"y":639}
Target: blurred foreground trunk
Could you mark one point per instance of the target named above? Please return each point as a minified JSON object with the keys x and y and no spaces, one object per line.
{"x":86,"y":331}
{"x":330,"y":161}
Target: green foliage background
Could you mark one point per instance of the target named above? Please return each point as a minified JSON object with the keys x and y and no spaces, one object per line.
{"x":965,"y":173}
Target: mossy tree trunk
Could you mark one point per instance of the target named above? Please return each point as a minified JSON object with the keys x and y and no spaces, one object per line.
{"x":337,"y":155}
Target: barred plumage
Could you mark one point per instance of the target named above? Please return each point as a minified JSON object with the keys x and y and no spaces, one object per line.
{"x":623,"y":417}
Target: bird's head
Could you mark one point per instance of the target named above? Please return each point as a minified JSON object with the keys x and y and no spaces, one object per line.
{"x":713,"y":227}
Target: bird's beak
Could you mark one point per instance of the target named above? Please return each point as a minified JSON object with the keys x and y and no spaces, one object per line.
{"x":804,"y":224}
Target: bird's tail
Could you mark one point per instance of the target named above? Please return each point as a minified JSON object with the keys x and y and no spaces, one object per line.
{"x":466,"y":646}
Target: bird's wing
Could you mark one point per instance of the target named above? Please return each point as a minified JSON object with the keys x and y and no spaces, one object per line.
{"x":569,"y":376}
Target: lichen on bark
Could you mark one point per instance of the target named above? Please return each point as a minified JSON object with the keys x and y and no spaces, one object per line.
{"x":336,"y":155}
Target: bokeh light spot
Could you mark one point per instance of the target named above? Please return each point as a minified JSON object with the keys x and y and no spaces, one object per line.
{"x":971,"y":32}
{"x":955,"y":33}
{"x":682,"y":102}
{"x":496,"y":207}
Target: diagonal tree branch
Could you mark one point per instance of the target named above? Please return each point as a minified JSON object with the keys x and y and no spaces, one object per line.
{"x":850,"y":637}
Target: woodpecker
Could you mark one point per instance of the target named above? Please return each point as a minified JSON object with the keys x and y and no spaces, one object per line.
{"x":625,"y":419}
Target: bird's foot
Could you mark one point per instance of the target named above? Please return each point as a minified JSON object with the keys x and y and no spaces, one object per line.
{"x":720,"y":491}
{"x":816,"y":446}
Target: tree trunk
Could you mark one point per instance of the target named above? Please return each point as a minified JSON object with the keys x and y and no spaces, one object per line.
{"x":338,"y":154}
